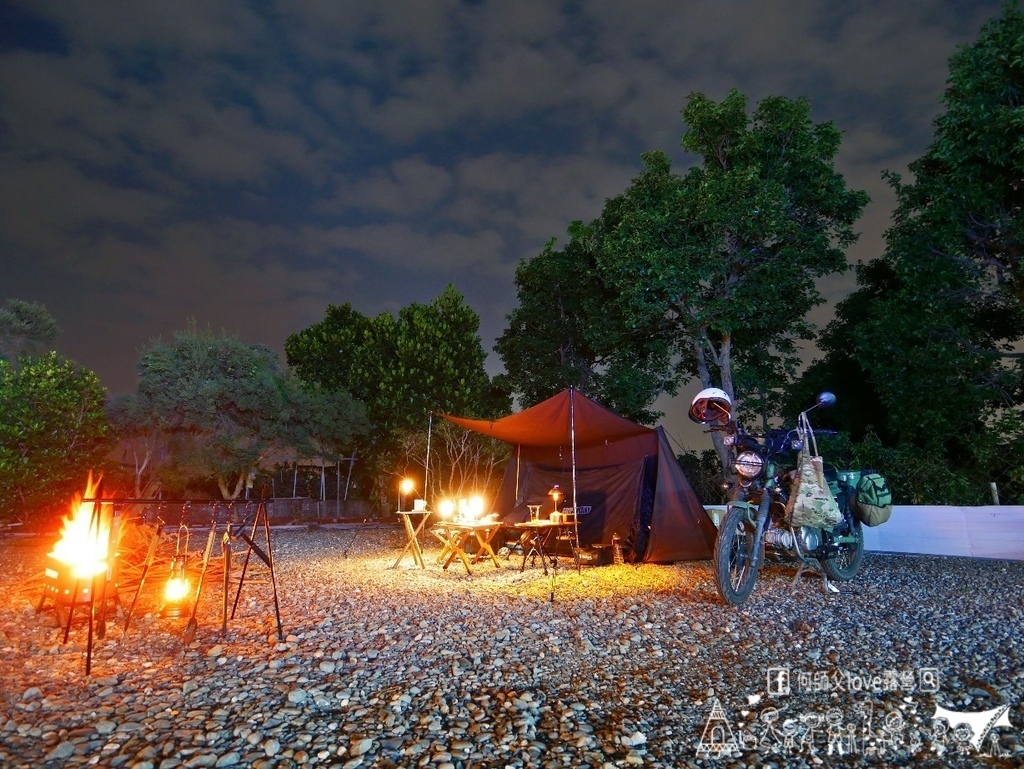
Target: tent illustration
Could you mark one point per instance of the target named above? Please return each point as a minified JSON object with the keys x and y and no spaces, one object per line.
{"x":621,"y":477}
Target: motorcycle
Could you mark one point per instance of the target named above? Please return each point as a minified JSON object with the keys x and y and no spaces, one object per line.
{"x":758,"y":522}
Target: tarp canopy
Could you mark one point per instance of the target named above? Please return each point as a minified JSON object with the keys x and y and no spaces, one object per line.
{"x":548,"y":423}
{"x":626,"y":479}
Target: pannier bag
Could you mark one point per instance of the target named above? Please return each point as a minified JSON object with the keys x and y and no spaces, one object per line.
{"x":873,"y":503}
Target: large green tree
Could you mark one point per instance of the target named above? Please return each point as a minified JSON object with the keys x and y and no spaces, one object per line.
{"x":931,"y":334}
{"x":726,"y":257}
{"x":52,"y":434}
{"x":710,"y":275}
{"x":427,"y":358}
{"x":564,"y":333}
{"x":215,"y":409}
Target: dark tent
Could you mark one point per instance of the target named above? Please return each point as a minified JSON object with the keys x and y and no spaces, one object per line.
{"x":625,"y":477}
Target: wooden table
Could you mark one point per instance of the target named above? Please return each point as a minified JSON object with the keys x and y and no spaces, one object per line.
{"x":413,"y":537}
{"x":535,"y":538}
{"x":454,"y":535}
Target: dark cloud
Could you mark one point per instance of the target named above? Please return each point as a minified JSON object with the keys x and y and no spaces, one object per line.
{"x":160,"y":161}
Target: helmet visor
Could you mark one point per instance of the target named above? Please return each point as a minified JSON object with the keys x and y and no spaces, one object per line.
{"x":709,"y":411}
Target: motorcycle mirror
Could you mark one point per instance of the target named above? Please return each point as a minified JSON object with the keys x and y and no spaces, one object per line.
{"x":826,"y":400}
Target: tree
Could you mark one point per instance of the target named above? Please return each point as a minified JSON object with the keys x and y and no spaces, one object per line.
{"x":428,"y":358}
{"x":26,"y":328}
{"x":711,"y":275}
{"x":726,"y":257}
{"x":217,"y":408}
{"x":935,"y":323}
{"x":52,"y":434}
{"x":462,"y":463}
{"x":141,"y":442}
{"x":562,"y":334}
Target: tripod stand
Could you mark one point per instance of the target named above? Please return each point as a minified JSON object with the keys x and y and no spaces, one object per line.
{"x":229,"y":525}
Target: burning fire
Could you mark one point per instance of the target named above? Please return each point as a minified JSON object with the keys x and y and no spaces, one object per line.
{"x":84,"y":540}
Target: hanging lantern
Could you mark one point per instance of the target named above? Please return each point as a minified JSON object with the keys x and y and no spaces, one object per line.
{"x":178,"y":588}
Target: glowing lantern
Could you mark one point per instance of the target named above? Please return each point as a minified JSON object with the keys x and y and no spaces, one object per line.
{"x":404,"y":489}
{"x":555,"y":495}
{"x":178,"y":588}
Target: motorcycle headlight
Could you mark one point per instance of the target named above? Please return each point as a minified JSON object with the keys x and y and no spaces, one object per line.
{"x":729,"y":439}
{"x":749,"y":464}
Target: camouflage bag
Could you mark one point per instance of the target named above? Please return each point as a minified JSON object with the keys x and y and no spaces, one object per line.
{"x":810,"y":500}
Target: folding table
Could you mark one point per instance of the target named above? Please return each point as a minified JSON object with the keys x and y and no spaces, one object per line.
{"x":536,"y":536}
{"x":413,"y":537}
{"x":454,"y":535}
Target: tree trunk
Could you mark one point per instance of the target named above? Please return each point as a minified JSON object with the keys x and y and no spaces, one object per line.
{"x":702,"y":349}
{"x":231,"y":494}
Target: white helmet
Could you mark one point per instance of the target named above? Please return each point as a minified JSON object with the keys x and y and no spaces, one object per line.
{"x":711,"y":405}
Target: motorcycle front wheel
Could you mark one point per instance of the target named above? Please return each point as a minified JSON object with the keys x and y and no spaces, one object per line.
{"x":735,"y":557}
{"x":844,"y":566}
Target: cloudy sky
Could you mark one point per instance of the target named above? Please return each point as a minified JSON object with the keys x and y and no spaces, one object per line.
{"x":249,"y":163}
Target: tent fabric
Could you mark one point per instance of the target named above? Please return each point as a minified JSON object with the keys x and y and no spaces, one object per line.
{"x":547,"y":423}
{"x":628,"y":482}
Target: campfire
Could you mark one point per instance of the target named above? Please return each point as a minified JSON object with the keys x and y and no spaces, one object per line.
{"x":84,"y":541}
{"x":82,"y":552}
{"x":79,"y":567}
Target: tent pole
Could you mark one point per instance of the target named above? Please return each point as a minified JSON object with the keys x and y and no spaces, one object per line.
{"x":572,"y":445}
{"x":348,"y":478}
{"x":426,"y":466}
{"x":519,"y":455}
{"x":575,"y":509}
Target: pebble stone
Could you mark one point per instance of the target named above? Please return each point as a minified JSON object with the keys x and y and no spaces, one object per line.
{"x":615,"y":666}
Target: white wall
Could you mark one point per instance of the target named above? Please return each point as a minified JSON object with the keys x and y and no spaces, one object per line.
{"x":979,"y":532}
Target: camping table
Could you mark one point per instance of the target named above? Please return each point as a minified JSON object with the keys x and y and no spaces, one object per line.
{"x":537,"y":534}
{"x":413,"y":537}
{"x":455,"y":534}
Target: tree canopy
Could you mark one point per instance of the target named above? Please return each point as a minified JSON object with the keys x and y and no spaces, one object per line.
{"x":933,"y":331}
{"x":564,"y":333}
{"x":52,"y":434}
{"x":709,"y":275}
{"x":26,"y":328}
{"x":428,"y":358}
{"x":217,"y":408}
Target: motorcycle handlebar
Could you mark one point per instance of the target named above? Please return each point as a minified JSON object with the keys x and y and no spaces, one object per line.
{"x":761,"y":436}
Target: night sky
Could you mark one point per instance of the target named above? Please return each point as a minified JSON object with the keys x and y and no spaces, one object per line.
{"x":249,"y":163}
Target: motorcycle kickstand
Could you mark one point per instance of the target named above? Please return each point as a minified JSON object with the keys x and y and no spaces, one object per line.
{"x":811,"y":566}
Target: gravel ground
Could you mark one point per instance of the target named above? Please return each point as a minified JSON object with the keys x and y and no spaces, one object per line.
{"x":626,"y":666}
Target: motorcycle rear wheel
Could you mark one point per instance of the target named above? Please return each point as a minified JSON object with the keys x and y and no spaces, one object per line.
{"x":845,"y":566}
{"x":736,"y":562}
